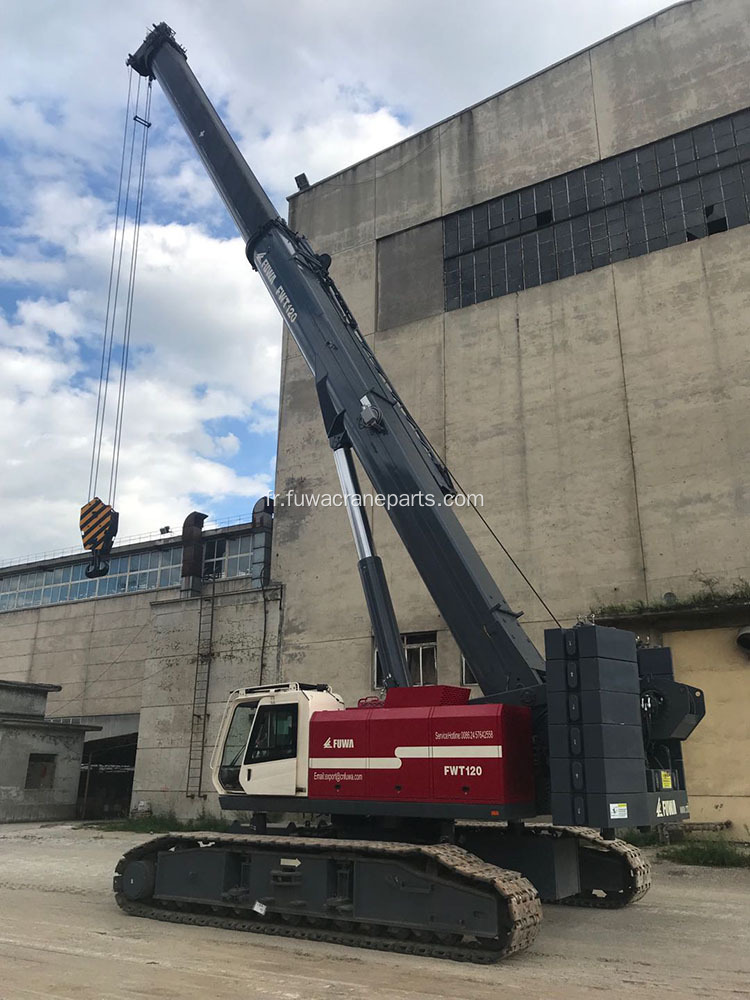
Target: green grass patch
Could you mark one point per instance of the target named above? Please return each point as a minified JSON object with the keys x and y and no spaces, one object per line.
{"x":163,"y":823}
{"x":649,"y":838}
{"x":711,"y":853}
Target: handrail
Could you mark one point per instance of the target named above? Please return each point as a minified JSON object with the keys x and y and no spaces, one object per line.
{"x":167,"y":537}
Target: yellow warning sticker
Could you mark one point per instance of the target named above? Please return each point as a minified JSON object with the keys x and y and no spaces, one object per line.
{"x":666,"y":779}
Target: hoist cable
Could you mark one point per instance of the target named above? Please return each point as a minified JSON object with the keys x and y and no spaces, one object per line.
{"x":94,"y":452}
{"x":474,"y":507}
{"x":129,"y":301}
{"x":116,"y":292}
{"x":489,"y":527}
{"x":443,"y":465}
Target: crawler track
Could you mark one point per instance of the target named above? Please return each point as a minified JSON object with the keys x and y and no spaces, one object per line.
{"x":635,"y":869}
{"x":613,"y":873}
{"x":634,"y":875}
{"x":519,"y":907}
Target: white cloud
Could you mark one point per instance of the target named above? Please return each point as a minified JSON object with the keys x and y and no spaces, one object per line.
{"x":167,"y":459}
{"x":205,"y":347}
{"x":322,"y":147}
{"x":309,"y":89}
{"x":228,"y":444}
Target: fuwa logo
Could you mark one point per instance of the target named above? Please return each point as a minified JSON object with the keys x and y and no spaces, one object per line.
{"x":345,"y":744}
{"x":666,"y":807}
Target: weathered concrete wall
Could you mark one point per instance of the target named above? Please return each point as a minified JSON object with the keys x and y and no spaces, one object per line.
{"x":602,"y":416}
{"x":245,"y":652}
{"x":19,"y":700}
{"x":684,"y":66}
{"x":94,"y":649}
{"x":686,"y":359}
{"x":128,"y":662}
{"x":135,"y":654}
{"x":18,"y":803}
{"x":110,"y":725}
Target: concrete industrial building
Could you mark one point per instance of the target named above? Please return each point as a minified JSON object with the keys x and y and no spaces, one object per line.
{"x":147,"y":653}
{"x":40,"y":759}
{"x":558,"y":281}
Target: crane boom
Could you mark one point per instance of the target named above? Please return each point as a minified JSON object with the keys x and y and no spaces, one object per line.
{"x":361,"y":409}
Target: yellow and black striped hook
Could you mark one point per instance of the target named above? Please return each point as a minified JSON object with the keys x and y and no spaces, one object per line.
{"x":98,"y":529}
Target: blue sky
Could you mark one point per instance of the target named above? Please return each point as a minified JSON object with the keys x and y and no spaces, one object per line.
{"x":314,"y":87}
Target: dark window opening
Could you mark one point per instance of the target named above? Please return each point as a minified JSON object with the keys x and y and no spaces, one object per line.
{"x":420,"y":650}
{"x":467,"y":674}
{"x":213,"y":558}
{"x":274,"y":734}
{"x":681,"y":188}
{"x":40,"y":772}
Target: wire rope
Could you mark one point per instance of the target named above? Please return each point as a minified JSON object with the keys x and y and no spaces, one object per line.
{"x":117,"y":439}
{"x":94,"y":451}
{"x":121,"y":285}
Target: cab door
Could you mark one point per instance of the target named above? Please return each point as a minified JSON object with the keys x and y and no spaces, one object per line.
{"x":270,"y":764}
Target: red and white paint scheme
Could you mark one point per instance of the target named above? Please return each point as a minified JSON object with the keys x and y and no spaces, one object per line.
{"x":421,"y":745}
{"x":424,"y":744}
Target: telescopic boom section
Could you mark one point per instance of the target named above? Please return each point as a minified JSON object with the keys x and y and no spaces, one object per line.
{"x":362,"y":411}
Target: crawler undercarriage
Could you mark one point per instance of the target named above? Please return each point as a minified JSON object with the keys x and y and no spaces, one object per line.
{"x":439,"y":899}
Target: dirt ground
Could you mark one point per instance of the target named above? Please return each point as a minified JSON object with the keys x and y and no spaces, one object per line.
{"x":63,"y":938}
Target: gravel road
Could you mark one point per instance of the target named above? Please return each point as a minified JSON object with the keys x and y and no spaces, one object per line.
{"x":63,"y":938}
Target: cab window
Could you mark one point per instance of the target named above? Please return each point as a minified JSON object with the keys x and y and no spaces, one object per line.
{"x":274,"y":735}
{"x":239,"y":730}
{"x":234,"y":746}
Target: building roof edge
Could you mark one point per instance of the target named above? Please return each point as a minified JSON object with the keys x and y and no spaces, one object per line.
{"x":492,"y":97}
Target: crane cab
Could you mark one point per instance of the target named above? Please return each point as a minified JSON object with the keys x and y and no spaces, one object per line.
{"x":263,"y":743}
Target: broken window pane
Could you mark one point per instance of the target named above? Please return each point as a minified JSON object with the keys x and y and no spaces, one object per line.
{"x":682,"y":187}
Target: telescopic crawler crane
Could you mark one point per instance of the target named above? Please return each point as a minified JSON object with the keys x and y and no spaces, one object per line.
{"x":421,"y":841}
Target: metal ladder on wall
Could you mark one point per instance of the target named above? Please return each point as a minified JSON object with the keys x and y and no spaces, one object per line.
{"x":200,"y":690}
